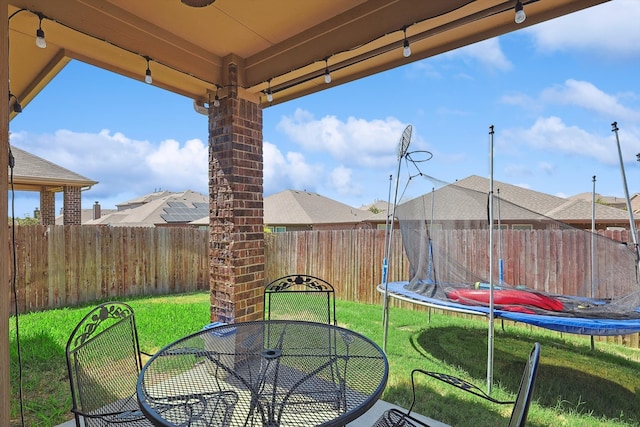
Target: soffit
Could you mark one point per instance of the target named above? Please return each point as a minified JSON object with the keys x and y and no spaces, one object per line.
{"x":279,"y":45}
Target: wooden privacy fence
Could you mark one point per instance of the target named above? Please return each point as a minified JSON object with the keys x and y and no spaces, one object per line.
{"x":61,"y":266}
{"x":351,"y":260}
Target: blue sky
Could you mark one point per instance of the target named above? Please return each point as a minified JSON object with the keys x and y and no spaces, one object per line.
{"x":551,"y":91}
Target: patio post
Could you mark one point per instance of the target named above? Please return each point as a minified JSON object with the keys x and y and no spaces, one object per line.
{"x":236,"y":230}
{"x":5,"y":282}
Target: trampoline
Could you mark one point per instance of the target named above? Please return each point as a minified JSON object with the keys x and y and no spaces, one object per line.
{"x":559,"y":323}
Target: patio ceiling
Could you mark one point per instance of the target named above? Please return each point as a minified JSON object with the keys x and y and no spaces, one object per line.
{"x":279,"y":45}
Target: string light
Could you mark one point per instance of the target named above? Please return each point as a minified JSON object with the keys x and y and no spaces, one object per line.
{"x":147,"y":74}
{"x":520,"y":15}
{"x":269,"y":94}
{"x":216,"y":100}
{"x":406,"y":49}
{"x":40,"y":40}
{"x":327,"y":74}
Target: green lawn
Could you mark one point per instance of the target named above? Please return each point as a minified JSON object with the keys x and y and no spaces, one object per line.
{"x":576,"y":386}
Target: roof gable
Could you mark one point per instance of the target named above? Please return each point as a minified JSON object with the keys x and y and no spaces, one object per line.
{"x":463,"y":205}
{"x":31,"y":172}
{"x":302,"y":207}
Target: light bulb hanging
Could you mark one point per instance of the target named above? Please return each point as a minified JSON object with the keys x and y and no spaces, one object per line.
{"x":327,"y":74}
{"x":147,"y":74}
{"x":406,"y":49}
{"x":520,"y":15}
{"x":40,"y":40}
{"x":269,"y":94}
{"x":216,"y":100}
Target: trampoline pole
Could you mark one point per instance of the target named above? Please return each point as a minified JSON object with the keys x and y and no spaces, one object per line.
{"x":385,"y":261}
{"x":431,"y":274}
{"x":500,"y":260}
{"x":405,"y":140}
{"x":593,"y":231}
{"x":490,"y":329}
{"x":386,"y":280}
{"x":593,"y":245}
{"x":632,"y":223}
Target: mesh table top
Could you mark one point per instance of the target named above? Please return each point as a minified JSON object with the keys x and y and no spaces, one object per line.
{"x":263,"y":373}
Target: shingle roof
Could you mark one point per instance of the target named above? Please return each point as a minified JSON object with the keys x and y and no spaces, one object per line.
{"x":293,"y":207}
{"x":32,"y":172}
{"x":86,"y":215}
{"x":474,"y":205}
{"x":139,"y":201}
{"x":587,"y":195}
{"x":169,"y":208}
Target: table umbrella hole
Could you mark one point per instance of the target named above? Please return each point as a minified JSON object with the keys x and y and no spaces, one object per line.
{"x":271,"y":353}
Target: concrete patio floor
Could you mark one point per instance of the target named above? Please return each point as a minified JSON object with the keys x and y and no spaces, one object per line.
{"x":370,"y":417}
{"x":365,"y":420}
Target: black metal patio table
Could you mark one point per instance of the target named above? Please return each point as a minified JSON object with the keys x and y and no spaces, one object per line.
{"x":263,"y":373}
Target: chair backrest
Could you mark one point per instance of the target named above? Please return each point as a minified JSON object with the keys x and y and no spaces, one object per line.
{"x":103,"y":360}
{"x":525,"y":392}
{"x":300,"y":297}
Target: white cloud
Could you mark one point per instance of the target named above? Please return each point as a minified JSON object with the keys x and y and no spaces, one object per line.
{"x":610,"y":29}
{"x":288,"y":172}
{"x":354,"y":142}
{"x":187,"y":166}
{"x":274,"y":168}
{"x":526,"y":102}
{"x":302,"y":175}
{"x":588,"y":96}
{"x":421,"y":69}
{"x":123,"y":167}
{"x":487,"y":53}
{"x":553,"y":135}
{"x":546,"y":167}
{"x":342,"y":182}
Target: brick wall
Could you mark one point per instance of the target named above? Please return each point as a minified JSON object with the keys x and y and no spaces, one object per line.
{"x":236,"y":242}
{"x":47,"y":207}
{"x":72,"y":209}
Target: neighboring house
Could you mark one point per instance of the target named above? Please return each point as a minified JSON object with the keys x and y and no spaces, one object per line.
{"x":614,"y":201}
{"x":87,"y":215}
{"x":470,"y":207}
{"x":293,"y":210}
{"x":159,"y":209}
{"x":380,"y":211}
{"x":33,"y":173}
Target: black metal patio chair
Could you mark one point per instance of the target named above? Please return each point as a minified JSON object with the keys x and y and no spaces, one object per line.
{"x":394,"y":417}
{"x":103,"y":360}
{"x":306,"y":298}
{"x":300,"y":297}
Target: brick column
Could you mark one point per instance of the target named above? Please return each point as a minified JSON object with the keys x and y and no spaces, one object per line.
{"x":236,"y":240}
{"x":71,"y":211}
{"x":47,"y":207}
